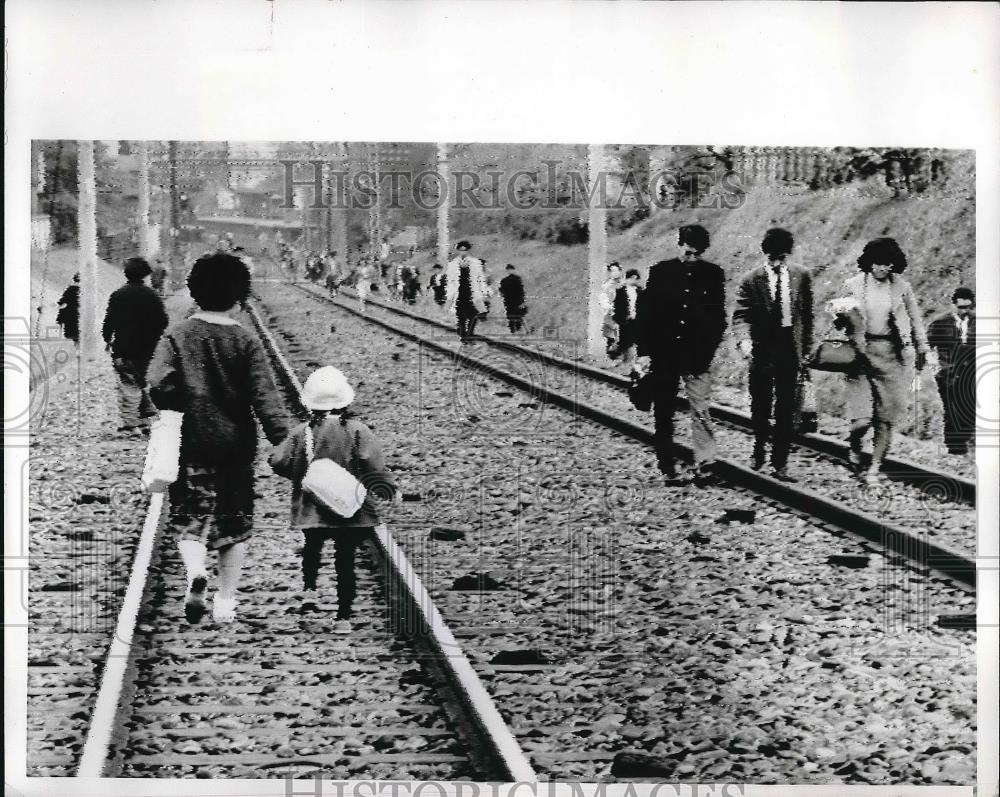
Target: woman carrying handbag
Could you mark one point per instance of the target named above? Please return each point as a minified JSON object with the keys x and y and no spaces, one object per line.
{"x":886,"y":339}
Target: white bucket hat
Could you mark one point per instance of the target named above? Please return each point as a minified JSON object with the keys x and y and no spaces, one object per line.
{"x":327,"y":389}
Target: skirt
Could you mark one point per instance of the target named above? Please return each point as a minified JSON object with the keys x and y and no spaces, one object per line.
{"x":213,"y":505}
{"x":880,"y":393}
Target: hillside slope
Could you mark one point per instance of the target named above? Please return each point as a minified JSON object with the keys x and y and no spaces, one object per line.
{"x":936,"y":230}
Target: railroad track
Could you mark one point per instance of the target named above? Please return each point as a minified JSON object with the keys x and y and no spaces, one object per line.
{"x":598,"y":608}
{"x":902,"y":527}
{"x":276,"y":693}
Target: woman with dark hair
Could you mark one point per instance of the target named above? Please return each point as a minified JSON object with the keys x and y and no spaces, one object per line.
{"x":888,"y":330}
{"x":215,"y":372}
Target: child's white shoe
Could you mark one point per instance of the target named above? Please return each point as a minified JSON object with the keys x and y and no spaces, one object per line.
{"x":224,"y":609}
{"x":309,"y":601}
{"x":342,"y":627}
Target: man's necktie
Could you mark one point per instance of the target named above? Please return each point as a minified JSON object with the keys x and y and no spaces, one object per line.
{"x":778,"y":315}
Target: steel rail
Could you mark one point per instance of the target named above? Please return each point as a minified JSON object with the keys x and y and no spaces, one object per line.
{"x":480,"y":711}
{"x":926,"y":554}
{"x":895,"y":468}
{"x":112,"y":701}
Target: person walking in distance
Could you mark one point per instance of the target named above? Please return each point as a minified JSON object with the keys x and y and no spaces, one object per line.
{"x":351,"y":444}
{"x":158,"y":279}
{"x":363,"y":286}
{"x":891,"y":339}
{"x":466,"y":290}
{"x":333,"y":276}
{"x":623,"y":314}
{"x":512,"y":292}
{"x":954,"y":336}
{"x":134,"y":320}
{"x":439,"y":285}
{"x":680,"y":320}
{"x":215,"y":372}
{"x":606,"y":299}
{"x":68,"y":316}
{"x":773,"y":324}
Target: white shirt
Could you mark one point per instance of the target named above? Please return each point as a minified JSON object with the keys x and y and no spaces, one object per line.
{"x":878,"y":306}
{"x":631,"y":293}
{"x":607,"y":295}
{"x":963,"y":327}
{"x":786,"y":292}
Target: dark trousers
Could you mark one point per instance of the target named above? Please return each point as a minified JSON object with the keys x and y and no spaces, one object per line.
{"x":134,"y":403}
{"x":515,"y":319}
{"x":345,"y":542}
{"x":666,"y":383}
{"x":774,"y":374}
{"x":958,"y":397}
{"x":467,"y":324}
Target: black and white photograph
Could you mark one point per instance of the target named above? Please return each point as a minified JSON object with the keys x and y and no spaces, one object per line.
{"x":461,"y":460}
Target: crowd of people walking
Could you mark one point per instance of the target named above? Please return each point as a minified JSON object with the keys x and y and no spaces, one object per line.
{"x":214,"y":372}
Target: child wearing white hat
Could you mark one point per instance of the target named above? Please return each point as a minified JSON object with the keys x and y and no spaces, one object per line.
{"x":330,"y":434}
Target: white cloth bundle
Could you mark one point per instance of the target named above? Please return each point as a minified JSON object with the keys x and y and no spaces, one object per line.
{"x":332,"y":485}
{"x":163,"y":453}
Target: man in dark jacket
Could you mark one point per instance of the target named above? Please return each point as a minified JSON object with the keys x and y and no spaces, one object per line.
{"x":773,"y":323}
{"x":68,"y":316}
{"x":512,"y":291}
{"x":133,"y":323}
{"x":954,"y":337}
{"x":679,"y":325}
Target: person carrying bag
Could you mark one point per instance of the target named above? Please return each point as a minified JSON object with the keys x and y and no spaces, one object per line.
{"x":841,"y":355}
{"x":338,"y":476}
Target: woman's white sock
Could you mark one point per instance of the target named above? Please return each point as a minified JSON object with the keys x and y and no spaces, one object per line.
{"x":193,"y":555}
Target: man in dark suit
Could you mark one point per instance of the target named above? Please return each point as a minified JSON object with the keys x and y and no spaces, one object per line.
{"x":623,"y":313}
{"x":679,"y":324}
{"x":438,"y":285}
{"x":512,"y":291}
{"x":954,"y":337}
{"x":773,"y":322}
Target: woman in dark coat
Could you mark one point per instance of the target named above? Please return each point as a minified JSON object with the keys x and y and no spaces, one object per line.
{"x":68,"y":317}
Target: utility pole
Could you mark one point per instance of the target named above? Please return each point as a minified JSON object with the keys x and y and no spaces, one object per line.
{"x":444,"y":177}
{"x":175,"y":269}
{"x":146,"y":248}
{"x":87,"y":237}
{"x":341,"y":237}
{"x":597,"y":249}
{"x":375,"y":212}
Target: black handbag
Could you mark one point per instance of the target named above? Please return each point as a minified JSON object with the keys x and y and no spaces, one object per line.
{"x":640,"y":392}
{"x":838,"y":356}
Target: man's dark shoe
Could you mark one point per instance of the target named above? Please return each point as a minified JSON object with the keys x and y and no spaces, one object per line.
{"x":782,"y":475}
{"x":704,"y":476}
{"x":670,"y":476}
{"x":759,"y":457}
